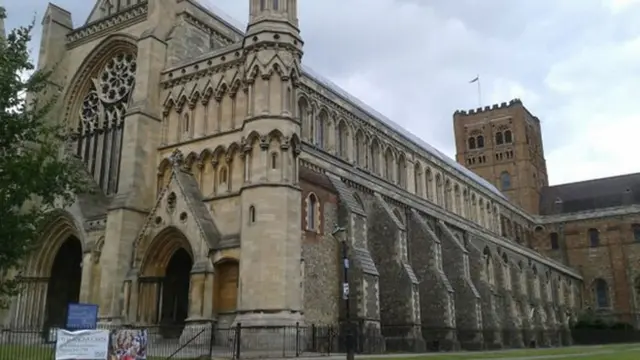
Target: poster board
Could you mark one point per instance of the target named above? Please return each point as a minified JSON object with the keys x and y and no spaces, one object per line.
{"x":82,"y":316}
{"x":82,"y":345}
{"x":128,"y":344}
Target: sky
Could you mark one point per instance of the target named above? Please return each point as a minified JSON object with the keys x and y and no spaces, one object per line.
{"x":575,"y":64}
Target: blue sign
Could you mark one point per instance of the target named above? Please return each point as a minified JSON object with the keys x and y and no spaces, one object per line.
{"x":82,"y":316}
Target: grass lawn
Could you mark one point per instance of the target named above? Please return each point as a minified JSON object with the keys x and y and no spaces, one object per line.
{"x":605,"y":352}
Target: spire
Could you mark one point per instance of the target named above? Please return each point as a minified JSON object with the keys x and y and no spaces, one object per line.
{"x":273,"y":15}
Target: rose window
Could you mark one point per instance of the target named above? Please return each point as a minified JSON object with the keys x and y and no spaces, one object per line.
{"x":117,"y":78}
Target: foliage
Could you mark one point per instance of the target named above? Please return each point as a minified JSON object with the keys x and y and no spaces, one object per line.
{"x":34,"y":177}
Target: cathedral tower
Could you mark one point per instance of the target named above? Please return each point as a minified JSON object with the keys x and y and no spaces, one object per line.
{"x":503,"y":144}
{"x":270,"y":270}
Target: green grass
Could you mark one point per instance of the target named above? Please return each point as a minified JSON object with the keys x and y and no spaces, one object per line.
{"x":604,"y":352}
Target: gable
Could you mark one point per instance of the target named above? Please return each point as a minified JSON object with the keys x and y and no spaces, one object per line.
{"x":180,"y":205}
{"x":105,"y":8}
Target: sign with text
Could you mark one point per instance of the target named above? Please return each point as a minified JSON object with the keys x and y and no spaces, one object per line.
{"x":82,"y":316}
{"x":82,"y":345}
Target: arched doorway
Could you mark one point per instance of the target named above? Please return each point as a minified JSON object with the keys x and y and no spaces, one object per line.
{"x":226,"y":283}
{"x":174,"y":305}
{"x":64,"y":282}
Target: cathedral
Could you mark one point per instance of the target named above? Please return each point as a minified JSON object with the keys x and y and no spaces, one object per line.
{"x":228,"y":174}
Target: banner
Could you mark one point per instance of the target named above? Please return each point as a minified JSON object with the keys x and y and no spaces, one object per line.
{"x":82,"y":345}
{"x":128,"y":344}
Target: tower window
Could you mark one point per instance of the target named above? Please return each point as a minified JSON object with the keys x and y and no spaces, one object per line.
{"x":480,"y":141}
{"x":472,"y":143}
{"x":505,"y":180}
{"x":553,"y":239}
{"x":594,"y":237}
{"x":499,"y":139}
{"x":263,"y":4}
{"x":185,"y":124}
{"x":508,"y":138}
{"x":312,"y":218}
{"x":275,"y":4}
{"x":274,"y":160}
{"x":252,"y":214}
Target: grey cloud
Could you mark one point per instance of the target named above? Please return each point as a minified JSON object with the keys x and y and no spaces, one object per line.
{"x":412,"y":60}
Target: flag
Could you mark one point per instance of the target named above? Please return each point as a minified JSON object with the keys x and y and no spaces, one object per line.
{"x":474,"y":80}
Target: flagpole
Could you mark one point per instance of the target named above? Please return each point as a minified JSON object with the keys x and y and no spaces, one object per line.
{"x":479,"y":92}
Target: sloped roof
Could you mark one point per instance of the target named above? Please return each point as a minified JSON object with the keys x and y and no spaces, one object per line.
{"x":591,"y":194}
{"x":310,"y":73}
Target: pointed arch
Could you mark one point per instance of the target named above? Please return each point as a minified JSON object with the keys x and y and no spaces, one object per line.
{"x":96,"y":60}
{"x":322,"y":137}
{"x":389,"y":164}
{"x":375,"y":156}
{"x":343,"y":139}
{"x":304,"y":116}
{"x":417,"y":179}
{"x":361,"y":148}
{"x":401,"y":171}
{"x":312,"y":213}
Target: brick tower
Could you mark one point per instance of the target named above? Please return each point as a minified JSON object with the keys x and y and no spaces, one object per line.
{"x":503,"y":144}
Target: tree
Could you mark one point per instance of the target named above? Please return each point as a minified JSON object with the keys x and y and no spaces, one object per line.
{"x":35,"y":176}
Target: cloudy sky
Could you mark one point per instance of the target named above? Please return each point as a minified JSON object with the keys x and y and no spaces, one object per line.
{"x":574,"y":63}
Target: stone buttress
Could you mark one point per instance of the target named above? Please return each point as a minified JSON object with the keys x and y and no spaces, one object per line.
{"x":511,"y":320}
{"x":455,"y":258}
{"x":399,"y":295}
{"x":364,"y":278}
{"x":437,"y":304}
{"x":491,"y":324}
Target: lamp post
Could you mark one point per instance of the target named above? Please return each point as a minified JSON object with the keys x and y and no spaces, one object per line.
{"x":345,"y":288}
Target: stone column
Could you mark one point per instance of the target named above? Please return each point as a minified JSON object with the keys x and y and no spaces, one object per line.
{"x":87,"y":272}
{"x":200,"y":321}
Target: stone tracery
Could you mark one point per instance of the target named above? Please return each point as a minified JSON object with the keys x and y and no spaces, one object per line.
{"x":102,"y":112}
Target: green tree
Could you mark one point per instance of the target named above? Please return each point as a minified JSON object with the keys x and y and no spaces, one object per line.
{"x":35,"y":177}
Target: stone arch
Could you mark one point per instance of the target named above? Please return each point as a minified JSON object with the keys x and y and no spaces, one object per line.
{"x":304,"y":114}
{"x":401,"y":172}
{"x":375,"y":156}
{"x":342,"y":140}
{"x":360,"y":148}
{"x":97,"y":59}
{"x":52,"y":275}
{"x":439,"y":190}
{"x":96,"y":105}
{"x":164,"y":281}
{"x":322,"y":133}
{"x":417,"y":179}
{"x":389,"y":164}
{"x":227,"y":275}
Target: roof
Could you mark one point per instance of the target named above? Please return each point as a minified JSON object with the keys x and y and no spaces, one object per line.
{"x":591,"y":194}
{"x":307,"y":71}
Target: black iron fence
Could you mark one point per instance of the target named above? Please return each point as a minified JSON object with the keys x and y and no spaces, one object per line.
{"x":206,"y":340}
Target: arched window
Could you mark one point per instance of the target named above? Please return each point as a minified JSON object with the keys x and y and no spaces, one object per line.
{"x":312,"y":218}
{"x":263,"y":4}
{"x":222,"y":179}
{"x":252,"y":214}
{"x":274,"y":160}
{"x":275,"y":4}
{"x":480,"y":141}
{"x":472,"y":143}
{"x":508,"y":138}
{"x":499,"y":139}
{"x":343,"y":134}
{"x":505,"y":181}
{"x":553,"y":239}
{"x":594,"y":237}
{"x":185,"y":124}
{"x":601,"y":293}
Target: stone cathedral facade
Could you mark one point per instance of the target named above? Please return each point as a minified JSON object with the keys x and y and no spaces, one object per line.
{"x":224,"y":165}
